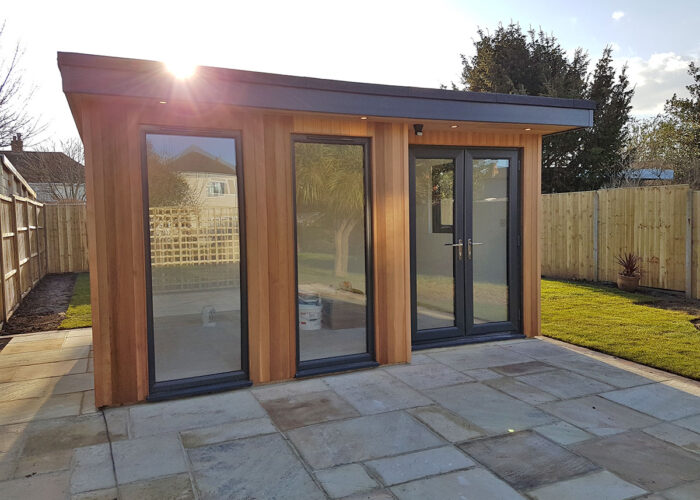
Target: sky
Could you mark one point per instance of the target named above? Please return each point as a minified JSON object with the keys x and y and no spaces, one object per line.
{"x":405,"y":42}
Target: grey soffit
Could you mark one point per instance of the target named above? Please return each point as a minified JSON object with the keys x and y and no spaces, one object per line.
{"x":90,"y":74}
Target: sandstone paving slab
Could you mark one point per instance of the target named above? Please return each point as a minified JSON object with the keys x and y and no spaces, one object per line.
{"x":346,"y":480}
{"x":527,"y":460}
{"x":525,"y":368}
{"x":539,"y":349}
{"x":106,"y":494}
{"x":658,"y":400}
{"x":39,"y":336}
{"x":88,"y":403}
{"x":565,"y":384}
{"x":689,"y":491}
{"x":472,"y":484}
{"x":190,"y":413}
{"x":178,"y":486}
{"x":77,"y":341}
{"x":599,"y":370}
{"x":40,"y":357}
{"x":148,"y":458}
{"x":599,"y":485}
{"x":56,"y":369}
{"x":91,"y":469}
{"x":39,"y":345}
{"x":375,"y":391}
{"x":598,"y":415}
{"x":52,"y":461}
{"x":64,"y":434}
{"x":53,"y":486}
{"x":428,"y":375}
{"x":306,"y":409}
{"x":481,"y":374}
{"x":227,"y":432}
{"x":679,"y":436}
{"x":233,"y":470}
{"x":489,"y":409}
{"x":421,"y":359}
{"x":7,"y":374}
{"x":472,"y":358}
{"x":450,"y":426}
{"x":521,"y":390}
{"x":692,"y":423}
{"x":117,"y":422}
{"x":372,"y":495}
{"x":411,"y":466}
{"x":563,"y":433}
{"x":295,"y":388}
{"x":643,"y":460}
{"x":364,"y":438}
{"x":43,"y":387}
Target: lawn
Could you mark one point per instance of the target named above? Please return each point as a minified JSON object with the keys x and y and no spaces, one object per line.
{"x":626,"y":325}
{"x":79,"y":313}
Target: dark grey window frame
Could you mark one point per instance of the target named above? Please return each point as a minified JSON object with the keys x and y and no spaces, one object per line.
{"x":351,"y":361}
{"x":170,"y":389}
{"x":470,"y":333}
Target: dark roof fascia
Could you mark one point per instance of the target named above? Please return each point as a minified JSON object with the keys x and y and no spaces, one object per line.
{"x":100,"y":75}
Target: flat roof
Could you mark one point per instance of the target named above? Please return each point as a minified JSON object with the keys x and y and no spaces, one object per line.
{"x":114,"y":76}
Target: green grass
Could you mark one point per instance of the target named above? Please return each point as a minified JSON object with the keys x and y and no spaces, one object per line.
{"x":622,"y":324}
{"x":79,"y":313}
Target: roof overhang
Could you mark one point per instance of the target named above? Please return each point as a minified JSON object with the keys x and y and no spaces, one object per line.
{"x":111,"y":76}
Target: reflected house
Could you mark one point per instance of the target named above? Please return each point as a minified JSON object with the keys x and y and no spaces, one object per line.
{"x":248,"y":227}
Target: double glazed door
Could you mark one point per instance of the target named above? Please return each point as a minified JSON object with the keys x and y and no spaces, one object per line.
{"x":465,"y":244}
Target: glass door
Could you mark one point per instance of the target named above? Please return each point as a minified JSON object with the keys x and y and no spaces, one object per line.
{"x":464,"y":238}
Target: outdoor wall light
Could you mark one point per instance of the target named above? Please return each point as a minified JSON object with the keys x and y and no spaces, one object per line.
{"x":418,"y":128}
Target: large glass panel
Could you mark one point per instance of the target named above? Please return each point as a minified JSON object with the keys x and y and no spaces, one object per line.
{"x":195,"y":255}
{"x":435,"y":285}
{"x":490,"y":240}
{"x":330,"y":223}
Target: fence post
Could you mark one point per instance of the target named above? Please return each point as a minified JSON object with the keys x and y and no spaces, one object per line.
{"x":18,"y":281}
{"x":689,"y":245}
{"x":595,"y":234}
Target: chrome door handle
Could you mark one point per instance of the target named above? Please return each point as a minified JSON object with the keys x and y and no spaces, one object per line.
{"x":459,"y":245}
{"x":471,"y":244}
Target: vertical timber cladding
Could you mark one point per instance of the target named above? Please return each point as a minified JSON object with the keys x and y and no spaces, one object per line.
{"x":530,"y":199}
{"x":111,"y":133}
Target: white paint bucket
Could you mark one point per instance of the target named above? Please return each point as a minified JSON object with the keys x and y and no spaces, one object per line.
{"x":310,"y":316}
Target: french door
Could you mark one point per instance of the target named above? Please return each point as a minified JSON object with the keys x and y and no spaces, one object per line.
{"x":464,"y":245}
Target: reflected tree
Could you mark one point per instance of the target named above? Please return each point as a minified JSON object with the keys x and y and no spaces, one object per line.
{"x":330,"y":184}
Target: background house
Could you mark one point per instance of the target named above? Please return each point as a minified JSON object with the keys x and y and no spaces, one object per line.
{"x":53,"y":175}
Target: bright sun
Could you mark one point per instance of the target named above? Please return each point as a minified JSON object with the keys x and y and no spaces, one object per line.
{"x":181,"y":68}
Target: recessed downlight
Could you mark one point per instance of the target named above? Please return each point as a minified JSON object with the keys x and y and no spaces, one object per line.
{"x":363,"y":118}
{"x":528,"y":129}
{"x":454,"y":126}
{"x":163,"y":102}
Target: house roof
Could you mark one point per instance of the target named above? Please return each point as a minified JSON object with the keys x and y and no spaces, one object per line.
{"x":52,"y":161}
{"x":112,"y":76}
{"x":195,"y":159}
{"x":5,"y":161}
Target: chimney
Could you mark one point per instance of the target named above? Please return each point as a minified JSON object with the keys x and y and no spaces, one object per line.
{"x":17,"y":145}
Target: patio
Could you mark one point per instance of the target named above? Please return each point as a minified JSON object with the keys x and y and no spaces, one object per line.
{"x":528,"y":418}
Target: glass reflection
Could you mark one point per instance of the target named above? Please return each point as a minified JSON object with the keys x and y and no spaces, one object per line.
{"x":332,"y":284}
{"x":490,"y":235}
{"x":195,"y":255}
{"x":435,"y":284}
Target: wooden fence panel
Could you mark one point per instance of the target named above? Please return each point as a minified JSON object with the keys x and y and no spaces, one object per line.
{"x":649,"y":221}
{"x":66,"y":237}
{"x":567,"y":234}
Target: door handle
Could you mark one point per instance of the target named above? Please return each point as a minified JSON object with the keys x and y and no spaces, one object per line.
{"x":460,"y":247}
{"x":471,"y":244}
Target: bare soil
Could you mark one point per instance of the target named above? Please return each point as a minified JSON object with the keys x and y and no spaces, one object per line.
{"x":44,"y":307}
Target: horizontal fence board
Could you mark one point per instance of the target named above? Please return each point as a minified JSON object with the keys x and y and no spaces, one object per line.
{"x":650,"y":221}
